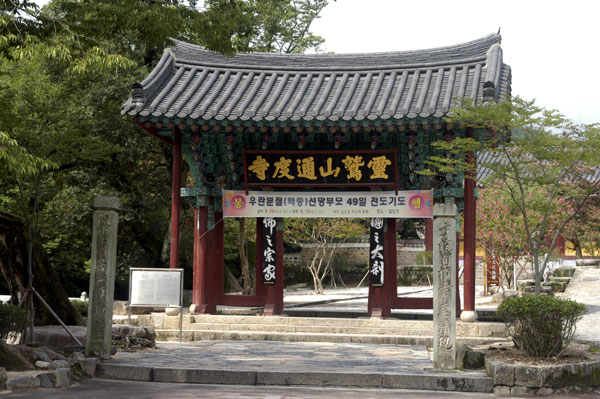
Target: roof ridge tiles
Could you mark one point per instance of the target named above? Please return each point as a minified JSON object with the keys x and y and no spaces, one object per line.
{"x":493,"y":37}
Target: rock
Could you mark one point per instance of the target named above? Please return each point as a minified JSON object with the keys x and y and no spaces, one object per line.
{"x":78,"y":355}
{"x":545,"y":391}
{"x":564,"y":272}
{"x":544,"y":290}
{"x":12,"y":359}
{"x":61,"y":378}
{"x":555,"y":285}
{"x":88,"y":366}
{"x":522,"y":284}
{"x":565,"y":280}
{"x":473,"y":360}
{"x":23,"y":382}
{"x":59,"y":364}
{"x":42,"y":365}
{"x":467,"y":358}
{"x":45,"y":380}
{"x":57,"y":337}
{"x":172,"y":311}
{"x":502,"y":390}
{"x":3,"y":377}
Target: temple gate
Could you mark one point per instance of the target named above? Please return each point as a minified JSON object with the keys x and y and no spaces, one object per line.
{"x":229,"y":116}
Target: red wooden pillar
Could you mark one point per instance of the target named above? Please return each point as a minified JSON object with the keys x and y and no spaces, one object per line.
{"x":210,"y":260}
{"x":380,"y":300}
{"x":199,"y":263}
{"x":391,"y":265}
{"x":220,"y":254}
{"x":175,"y":199}
{"x":274,"y":293}
{"x":260,"y":286}
{"x":469,"y":313}
{"x":428,"y":234}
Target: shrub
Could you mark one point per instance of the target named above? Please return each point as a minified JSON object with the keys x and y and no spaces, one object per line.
{"x":541,"y":326}
{"x":12,"y":319}
{"x":81,"y":307}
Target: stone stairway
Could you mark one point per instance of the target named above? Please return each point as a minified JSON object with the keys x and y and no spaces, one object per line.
{"x":310,"y":329}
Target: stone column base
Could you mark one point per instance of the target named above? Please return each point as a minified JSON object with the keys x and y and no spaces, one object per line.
{"x":468,"y":316}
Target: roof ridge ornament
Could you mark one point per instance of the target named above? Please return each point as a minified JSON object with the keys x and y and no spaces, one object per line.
{"x":137,"y":93}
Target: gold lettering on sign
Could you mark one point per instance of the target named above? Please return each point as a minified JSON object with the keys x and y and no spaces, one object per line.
{"x":352,"y":165}
{"x":259,"y":167}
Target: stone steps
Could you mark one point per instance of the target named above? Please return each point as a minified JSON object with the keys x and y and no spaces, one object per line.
{"x":288,"y":328}
{"x":198,"y":335}
{"x":435,"y":381}
{"x":307,"y":329}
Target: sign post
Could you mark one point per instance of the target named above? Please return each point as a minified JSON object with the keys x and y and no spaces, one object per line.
{"x":156,"y":288}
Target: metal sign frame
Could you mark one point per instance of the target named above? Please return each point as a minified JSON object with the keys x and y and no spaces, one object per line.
{"x":146,"y":305}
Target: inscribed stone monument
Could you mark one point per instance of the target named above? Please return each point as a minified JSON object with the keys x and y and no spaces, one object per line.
{"x":444,"y":286}
{"x":102,"y":277}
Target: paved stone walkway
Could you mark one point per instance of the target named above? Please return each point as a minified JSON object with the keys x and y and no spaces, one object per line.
{"x":278,"y":356}
{"x":585,"y":288}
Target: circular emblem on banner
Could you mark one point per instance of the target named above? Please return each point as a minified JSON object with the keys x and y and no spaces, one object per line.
{"x":416,"y":202}
{"x":238,"y":202}
{"x":377,"y":223}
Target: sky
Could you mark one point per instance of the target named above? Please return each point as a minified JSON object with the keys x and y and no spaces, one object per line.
{"x":551,"y":46}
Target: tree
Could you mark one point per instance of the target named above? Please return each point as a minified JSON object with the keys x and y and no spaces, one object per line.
{"x":501,"y":234}
{"x":323,"y":237}
{"x":583,"y":230}
{"x":65,"y":71}
{"x":546,"y":169}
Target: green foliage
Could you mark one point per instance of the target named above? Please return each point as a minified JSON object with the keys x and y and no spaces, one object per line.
{"x":12,"y":319}
{"x":81,"y":307}
{"x":541,"y":326}
{"x":65,"y":71}
{"x":541,"y":163}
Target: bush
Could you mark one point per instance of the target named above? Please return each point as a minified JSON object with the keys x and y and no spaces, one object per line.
{"x":12,"y":319}
{"x":541,"y":326}
{"x":81,"y":307}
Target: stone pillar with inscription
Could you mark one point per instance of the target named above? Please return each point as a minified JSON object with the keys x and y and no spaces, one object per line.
{"x":102,"y":277}
{"x":444,"y":286}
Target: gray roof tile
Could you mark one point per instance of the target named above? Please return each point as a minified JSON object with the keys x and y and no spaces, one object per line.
{"x":192,"y":82}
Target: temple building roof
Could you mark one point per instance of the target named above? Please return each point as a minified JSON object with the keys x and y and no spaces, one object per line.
{"x":190,"y":82}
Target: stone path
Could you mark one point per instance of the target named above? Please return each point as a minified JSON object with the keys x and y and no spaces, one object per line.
{"x":292,"y":363}
{"x":275,"y":356}
{"x":585,"y":288}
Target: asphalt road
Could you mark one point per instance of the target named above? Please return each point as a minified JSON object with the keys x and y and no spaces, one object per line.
{"x":110,"y":389}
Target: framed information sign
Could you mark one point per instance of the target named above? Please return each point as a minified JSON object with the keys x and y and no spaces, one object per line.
{"x":156,"y":288}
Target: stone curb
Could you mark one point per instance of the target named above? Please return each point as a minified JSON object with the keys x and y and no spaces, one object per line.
{"x":429,"y":381}
{"x":509,"y":379}
{"x":60,"y":377}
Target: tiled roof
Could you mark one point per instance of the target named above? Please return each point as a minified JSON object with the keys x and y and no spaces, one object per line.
{"x":193,"y":83}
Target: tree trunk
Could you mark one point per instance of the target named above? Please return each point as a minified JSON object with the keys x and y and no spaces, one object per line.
{"x":244,"y":264}
{"x":232,"y":281}
{"x":13,"y":263}
{"x":578,"y":250}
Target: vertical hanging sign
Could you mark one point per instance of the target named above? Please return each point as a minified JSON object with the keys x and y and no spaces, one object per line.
{"x":376,"y":259}
{"x":269,"y":238}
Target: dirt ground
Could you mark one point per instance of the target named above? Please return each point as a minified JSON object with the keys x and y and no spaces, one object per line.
{"x":574,"y":353}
